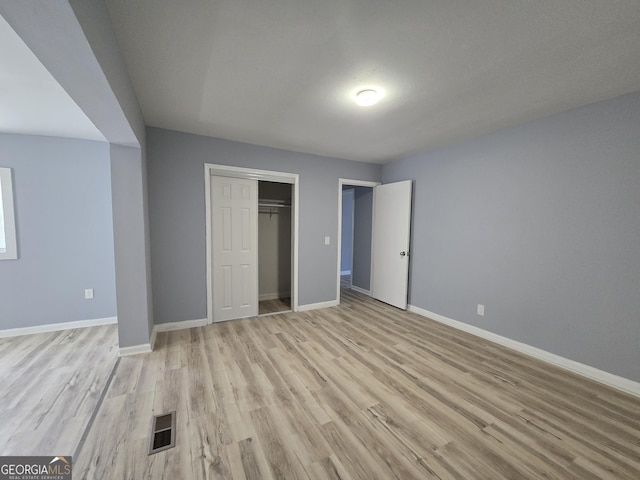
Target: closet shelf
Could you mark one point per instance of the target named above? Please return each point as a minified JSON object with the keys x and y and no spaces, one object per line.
{"x":273,"y":204}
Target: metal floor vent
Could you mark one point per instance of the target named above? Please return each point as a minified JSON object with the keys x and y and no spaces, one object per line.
{"x":163,"y":433}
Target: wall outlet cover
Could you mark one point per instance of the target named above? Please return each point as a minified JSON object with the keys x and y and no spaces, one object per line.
{"x":480,"y":310}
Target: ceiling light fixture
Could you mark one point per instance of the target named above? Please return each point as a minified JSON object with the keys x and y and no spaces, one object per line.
{"x":368,"y":97}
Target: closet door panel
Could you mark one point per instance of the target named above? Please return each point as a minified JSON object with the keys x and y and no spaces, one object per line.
{"x":234,"y":207}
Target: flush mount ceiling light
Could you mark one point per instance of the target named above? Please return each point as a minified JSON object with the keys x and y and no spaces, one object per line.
{"x":367,"y":97}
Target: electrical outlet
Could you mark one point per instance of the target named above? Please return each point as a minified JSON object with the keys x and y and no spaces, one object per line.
{"x":480,"y":310}
{"x":88,"y":293}
{"x":327,"y":240}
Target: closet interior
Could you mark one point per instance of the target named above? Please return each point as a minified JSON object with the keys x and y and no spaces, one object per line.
{"x":274,"y":247}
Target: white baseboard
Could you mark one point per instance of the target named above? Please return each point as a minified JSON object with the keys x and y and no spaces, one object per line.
{"x":345,"y":272}
{"x":56,"y":327}
{"x":161,"y":327}
{"x":135,"y":350}
{"x":360,"y":290}
{"x":615,"y":381}
{"x":315,"y":306}
{"x":273,"y":296}
{"x":167,"y":327}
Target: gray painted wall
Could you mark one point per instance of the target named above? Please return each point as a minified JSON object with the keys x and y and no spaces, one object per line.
{"x":62,"y":194}
{"x":346,"y":242}
{"x":362,"y":228}
{"x":74,"y":40}
{"x":96,"y":25}
{"x":116,"y":117}
{"x":129,"y":232}
{"x":177,"y":215}
{"x":541,"y":224}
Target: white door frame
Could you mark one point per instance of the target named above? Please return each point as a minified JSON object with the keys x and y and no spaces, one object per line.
{"x":260,"y":175}
{"x":353,"y":212}
{"x":355,"y":183}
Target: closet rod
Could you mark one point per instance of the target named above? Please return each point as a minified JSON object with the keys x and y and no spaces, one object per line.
{"x":273,"y":204}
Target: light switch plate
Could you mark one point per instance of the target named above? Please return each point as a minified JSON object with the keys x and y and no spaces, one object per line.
{"x":327,"y":240}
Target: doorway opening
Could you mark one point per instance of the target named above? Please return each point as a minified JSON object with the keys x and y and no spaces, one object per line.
{"x":274,"y":247}
{"x":355,"y":227}
{"x":346,"y":237}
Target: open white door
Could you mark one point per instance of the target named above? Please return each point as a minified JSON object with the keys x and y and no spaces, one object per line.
{"x":391,"y":230}
{"x":234,"y":207}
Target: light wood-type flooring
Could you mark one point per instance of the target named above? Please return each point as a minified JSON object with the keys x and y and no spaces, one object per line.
{"x":51,"y":384}
{"x":266,"y":307}
{"x":359,"y":391}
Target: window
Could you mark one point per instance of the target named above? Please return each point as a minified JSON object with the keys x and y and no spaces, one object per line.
{"x":8,"y":246}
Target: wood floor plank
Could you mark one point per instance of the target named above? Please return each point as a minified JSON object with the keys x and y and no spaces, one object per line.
{"x":52,"y":383}
{"x":280,"y":456}
{"x":328,"y":468}
{"x":276,"y":305}
{"x":250,"y":466}
{"x":358,"y":391}
{"x":355,"y":457}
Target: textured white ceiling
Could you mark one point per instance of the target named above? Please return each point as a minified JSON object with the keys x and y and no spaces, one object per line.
{"x":31,"y":100}
{"x":282,"y":73}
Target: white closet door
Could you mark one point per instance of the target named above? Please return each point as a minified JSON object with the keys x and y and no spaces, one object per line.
{"x":234,"y":208}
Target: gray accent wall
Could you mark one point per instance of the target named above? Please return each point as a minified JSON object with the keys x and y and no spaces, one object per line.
{"x":362,"y":230}
{"x":177,"y":215}
{"x":62,"y":196}
{"x":541,"y":224}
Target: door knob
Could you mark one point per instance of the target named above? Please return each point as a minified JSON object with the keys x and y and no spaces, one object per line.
{"x":403,"y":254}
